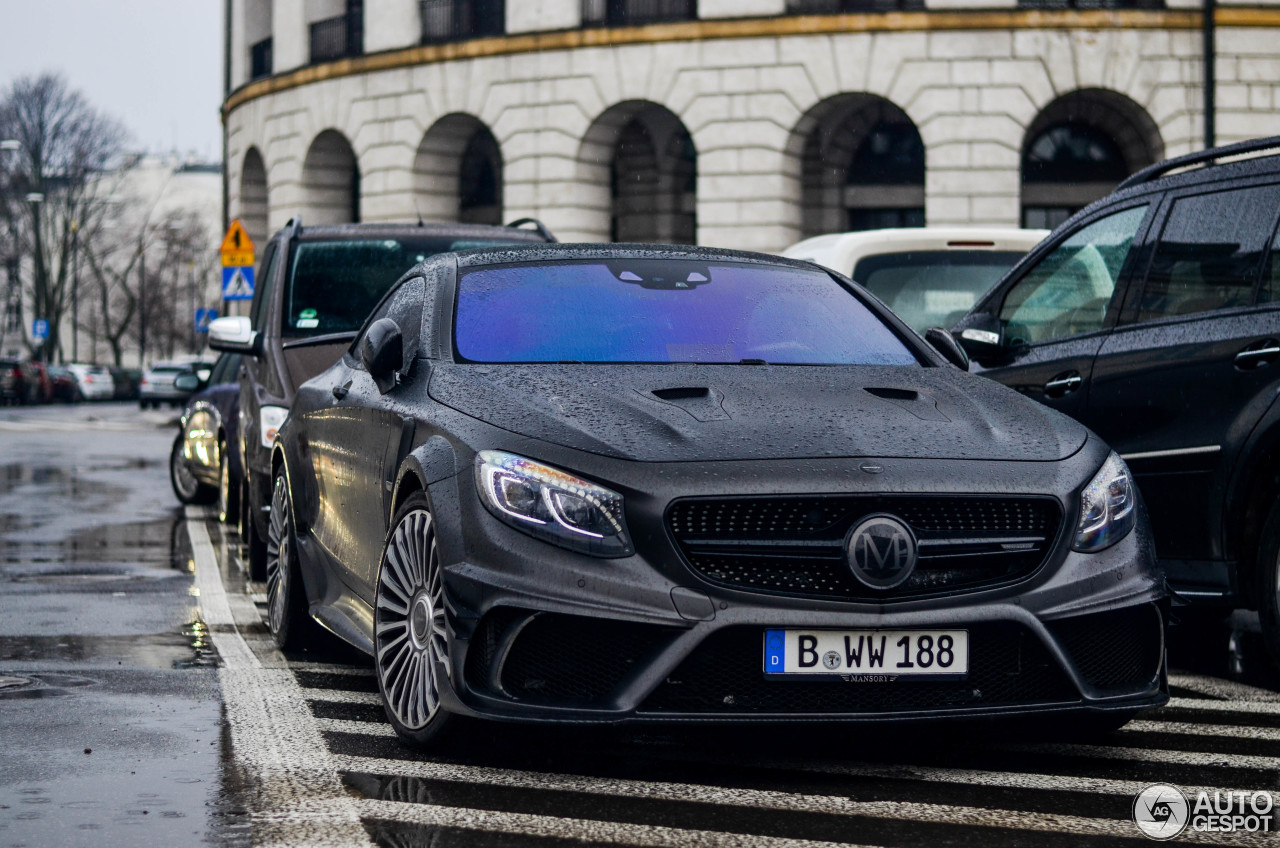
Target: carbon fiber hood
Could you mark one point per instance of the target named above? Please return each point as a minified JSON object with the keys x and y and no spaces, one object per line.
{"x":677,"y":413}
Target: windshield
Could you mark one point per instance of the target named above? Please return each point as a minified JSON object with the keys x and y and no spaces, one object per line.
{"x":649,"y":310}
{"x":334,"y":285}
{"x":933,"y":288}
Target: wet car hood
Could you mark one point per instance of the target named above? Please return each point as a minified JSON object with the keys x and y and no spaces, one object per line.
{"x":674,"y":413}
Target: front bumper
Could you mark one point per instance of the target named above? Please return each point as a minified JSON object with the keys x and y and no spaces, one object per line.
{"x":543,"y":634}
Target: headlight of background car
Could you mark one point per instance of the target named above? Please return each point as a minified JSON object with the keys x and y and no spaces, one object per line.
{"x":270,"y":420}
{"x":1108,"y":507}
{"x":552,"y":505}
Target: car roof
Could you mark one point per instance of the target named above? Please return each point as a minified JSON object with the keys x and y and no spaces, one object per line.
{"x":374,"y":231}
{"x":842,"y":251}
{"x":552,"y":253}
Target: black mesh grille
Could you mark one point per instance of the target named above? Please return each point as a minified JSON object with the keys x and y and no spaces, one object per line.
{"x":565,"y":660}
{"x":795,"y":545}
{"x":1007,"y":665}
{"x":1118,"y":650}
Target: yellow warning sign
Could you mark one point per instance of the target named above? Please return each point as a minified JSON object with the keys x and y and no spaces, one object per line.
{"x":237,"y":243}
{"x":237,"y":260}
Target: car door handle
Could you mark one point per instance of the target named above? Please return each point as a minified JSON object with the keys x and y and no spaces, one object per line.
{"x":1063,"y":384}
{"x":341,"y":391}
{"x":1258,"y":354}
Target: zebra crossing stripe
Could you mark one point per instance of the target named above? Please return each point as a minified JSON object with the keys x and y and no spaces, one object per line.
{"x":577,"y":830}
{"x":272,"y":734}
{"x":538,"y":789}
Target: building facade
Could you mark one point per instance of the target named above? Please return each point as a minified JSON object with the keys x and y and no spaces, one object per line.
{"x":735,"y":123}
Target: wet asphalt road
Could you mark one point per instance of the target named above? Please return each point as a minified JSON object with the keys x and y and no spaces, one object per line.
{"x":127,"y":628}
{"x":110,"y":713}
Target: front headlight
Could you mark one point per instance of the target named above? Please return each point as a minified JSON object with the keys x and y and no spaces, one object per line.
{"x":1107,"y":507}
{"x":554,"y":506}
{"x":270,"y":420}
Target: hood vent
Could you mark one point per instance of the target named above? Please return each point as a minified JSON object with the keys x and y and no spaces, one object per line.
{"x":920,"y":405}
{"x":702,"y":402}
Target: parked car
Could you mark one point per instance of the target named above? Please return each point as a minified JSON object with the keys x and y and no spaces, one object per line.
{"x":204,"y":463}
{"x":600,"y":483}
{"x":315,"y":286}
{"x":65,"y":388}
{"x":930,"y":276}
{"x":127,"y":383}
{"x":93,"y":381}
{"x":14,"y":380}
{"x":1153,"y":316}
{"x":158,"y":382}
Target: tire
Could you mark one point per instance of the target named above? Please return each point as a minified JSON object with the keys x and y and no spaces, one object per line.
{"x":288,"y":615}
{"x":186,"y":487}
{"x":410,"y":635}
{"x":228,"y":489}
{"x":253,"y":541}
{"x":1266,"y":587}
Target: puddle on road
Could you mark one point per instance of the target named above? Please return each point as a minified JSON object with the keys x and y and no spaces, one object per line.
{"x":190,"y":648}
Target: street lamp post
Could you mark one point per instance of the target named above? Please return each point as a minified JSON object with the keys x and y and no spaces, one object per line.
{"x":12,"y":319}
{"x":75,"y":291}
{"x":35,"y":198}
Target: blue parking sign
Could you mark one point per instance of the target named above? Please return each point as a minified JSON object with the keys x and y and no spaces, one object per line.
{"x":39,"y":329}
{"x":237,"y":282}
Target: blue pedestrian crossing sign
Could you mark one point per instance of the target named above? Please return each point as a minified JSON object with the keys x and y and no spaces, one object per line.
{"x":39,"y":329}
{"x":237,"y":282}
{"x":203,"y":318}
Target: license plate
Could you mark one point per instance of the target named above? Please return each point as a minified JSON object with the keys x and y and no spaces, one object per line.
{"x":867,"y":654}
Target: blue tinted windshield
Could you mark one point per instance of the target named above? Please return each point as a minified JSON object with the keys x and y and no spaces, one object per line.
{"x":651,"y":310}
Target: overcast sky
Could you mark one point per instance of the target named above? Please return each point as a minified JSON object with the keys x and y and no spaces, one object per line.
{"x":155,"y":65}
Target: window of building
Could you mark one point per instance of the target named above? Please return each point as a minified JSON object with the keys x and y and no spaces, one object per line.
{"x":636,"y":12}
{"x":450,"y":20}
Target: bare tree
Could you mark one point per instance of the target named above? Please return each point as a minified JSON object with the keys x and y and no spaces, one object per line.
{"x":54,"y":191}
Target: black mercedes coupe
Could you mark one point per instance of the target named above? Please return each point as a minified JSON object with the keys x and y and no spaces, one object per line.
{"x":603,"y":483}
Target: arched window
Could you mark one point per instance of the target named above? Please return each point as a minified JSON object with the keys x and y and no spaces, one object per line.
{"x":330,"y":181}
{"x":863,"y":166}
{"x":643,"y":166}
{"x":254,"y":209}
{"x":458,"y":172}
{"x":1079,"y":149}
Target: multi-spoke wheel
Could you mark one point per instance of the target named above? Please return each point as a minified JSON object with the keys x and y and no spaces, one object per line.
{"x":411,"y":646}
{"x":188,"y":489}
{"x":287,"y":613}
{"x":228,"y":490}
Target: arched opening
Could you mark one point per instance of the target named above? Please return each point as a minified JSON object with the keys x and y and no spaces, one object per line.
{"x":458,"y":172}
{"x":1078,"y":149}
{"x":862,"y":166}
{"x":640,"y":167}
{"x":330,"y":181}
{"x":254,"y":211}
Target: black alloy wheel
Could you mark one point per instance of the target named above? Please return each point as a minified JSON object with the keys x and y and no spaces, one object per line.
{"x":288,"y":616}
{"x":411,"y":642}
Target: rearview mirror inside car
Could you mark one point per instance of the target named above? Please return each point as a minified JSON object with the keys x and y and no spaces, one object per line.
{"x":382,"y":352}
{"x":235,"y":334}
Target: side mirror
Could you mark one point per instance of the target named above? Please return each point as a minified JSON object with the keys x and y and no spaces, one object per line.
{"x":944,"y":343}
{"x":981,"y":336}
{"x":187,"y":383}
{"x":235,"y":334}
{"x":382,"y":352}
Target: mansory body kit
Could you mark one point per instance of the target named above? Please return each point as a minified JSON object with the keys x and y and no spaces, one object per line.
{"x":602,"y":483}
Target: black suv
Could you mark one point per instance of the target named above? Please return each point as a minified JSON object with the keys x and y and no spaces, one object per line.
{"x":1153,"y":316}
{"x":315,"y":287}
